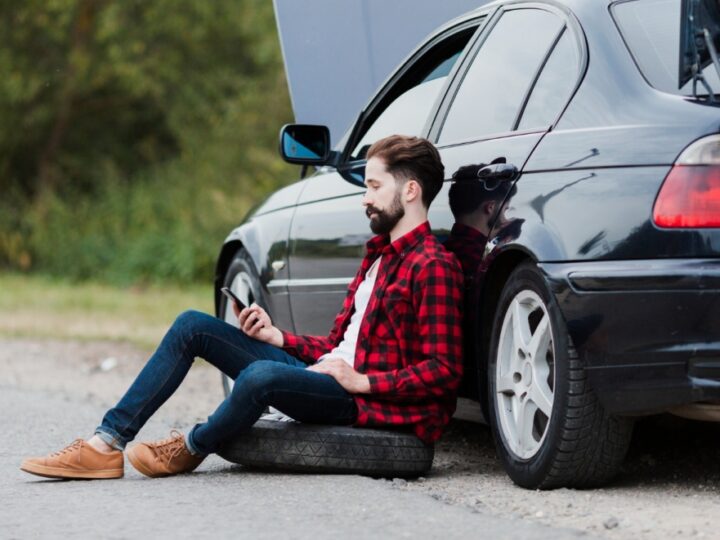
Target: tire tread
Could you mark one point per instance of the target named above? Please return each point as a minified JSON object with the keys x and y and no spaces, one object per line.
{"x":593,"y":443}
{"x":330,"y":449}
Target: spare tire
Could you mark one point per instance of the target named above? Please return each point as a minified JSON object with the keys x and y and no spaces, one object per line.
{"x":294,"y":446}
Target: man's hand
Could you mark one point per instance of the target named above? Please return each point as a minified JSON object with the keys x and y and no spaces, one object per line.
{"x":256,"y":323}
{"x":349,"y":379}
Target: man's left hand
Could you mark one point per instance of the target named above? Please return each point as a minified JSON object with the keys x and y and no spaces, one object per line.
{"x":347,"y":377}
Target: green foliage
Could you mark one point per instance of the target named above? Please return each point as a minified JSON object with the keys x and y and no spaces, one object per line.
{"x":134,"y":133}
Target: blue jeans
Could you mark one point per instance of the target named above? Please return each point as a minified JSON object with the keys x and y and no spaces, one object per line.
{"x":264,"y":376}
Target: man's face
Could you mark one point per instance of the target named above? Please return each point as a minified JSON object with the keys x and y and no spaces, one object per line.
{"x":383,"y":197}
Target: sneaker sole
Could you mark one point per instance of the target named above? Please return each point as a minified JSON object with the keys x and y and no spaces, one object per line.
{"x":57,"y":472}
{"x":140,"y":467}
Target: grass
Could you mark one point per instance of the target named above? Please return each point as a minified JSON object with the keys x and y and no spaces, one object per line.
{"x":48,"y":308}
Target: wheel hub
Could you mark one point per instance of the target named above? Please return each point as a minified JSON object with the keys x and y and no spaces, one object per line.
{"x":527,"y":374}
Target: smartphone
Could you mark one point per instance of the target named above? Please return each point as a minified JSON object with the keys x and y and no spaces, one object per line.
{"x":232,"y":296}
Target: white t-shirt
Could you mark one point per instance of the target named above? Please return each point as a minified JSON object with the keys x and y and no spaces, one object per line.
{"x":346,"y":348}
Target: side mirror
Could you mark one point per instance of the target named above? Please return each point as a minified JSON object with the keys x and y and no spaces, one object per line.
{"x":305,"y":144}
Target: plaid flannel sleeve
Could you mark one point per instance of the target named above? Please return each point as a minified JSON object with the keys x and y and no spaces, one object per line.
{"x":306,"y":348}
{"x":437,"y":298}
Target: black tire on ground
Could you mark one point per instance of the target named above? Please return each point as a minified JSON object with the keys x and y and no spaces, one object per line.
{"x":583,"y":445}
{"x":242,"y":278}
{"x":294,"y":446}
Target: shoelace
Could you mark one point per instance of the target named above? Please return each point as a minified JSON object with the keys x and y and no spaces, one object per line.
{"x":169,"y":448}
{"x":77,"y":443}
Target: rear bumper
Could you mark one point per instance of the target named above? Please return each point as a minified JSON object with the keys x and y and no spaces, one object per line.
{"x":648,"y":331}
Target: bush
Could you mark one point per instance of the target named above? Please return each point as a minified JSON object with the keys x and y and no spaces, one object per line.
{"x":165,"y":227}
{"x":136,"y":134}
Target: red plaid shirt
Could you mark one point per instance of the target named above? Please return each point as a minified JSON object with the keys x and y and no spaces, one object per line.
{"x":410,"y":342}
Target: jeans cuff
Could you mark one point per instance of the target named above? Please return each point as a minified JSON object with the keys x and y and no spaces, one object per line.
{"x":111,"y":438}
{"x":190,"y":446}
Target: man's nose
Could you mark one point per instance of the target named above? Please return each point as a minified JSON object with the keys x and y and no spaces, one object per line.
{"x":366,"y":200}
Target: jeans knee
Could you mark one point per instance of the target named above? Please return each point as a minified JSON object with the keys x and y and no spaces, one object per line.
{"x":188,"y":317}
{"x":258,"y":379}
{"x":191,"y":321}
{"x":188,"y":326}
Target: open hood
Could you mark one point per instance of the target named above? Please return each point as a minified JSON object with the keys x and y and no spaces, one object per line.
{"x":697,"y":17}
{"x":337,"y":53}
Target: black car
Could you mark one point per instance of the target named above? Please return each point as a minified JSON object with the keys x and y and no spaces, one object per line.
{"x":593,"y":282}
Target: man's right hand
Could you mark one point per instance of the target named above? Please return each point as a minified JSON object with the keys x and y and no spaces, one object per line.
{"x":256,"y":323}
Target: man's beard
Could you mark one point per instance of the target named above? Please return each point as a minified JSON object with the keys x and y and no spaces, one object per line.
{"x":384,"y":221}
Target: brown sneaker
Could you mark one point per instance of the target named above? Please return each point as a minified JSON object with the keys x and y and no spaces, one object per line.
{"x":164,"y":458}
{"x":78,"y":460}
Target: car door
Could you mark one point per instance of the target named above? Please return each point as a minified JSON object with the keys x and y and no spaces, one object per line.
{"x":330,"y":229}
{"x":507,"y":96}
{"x":482,"y":117}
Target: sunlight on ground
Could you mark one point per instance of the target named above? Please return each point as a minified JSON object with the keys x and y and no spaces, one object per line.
{"x":48,"y":308}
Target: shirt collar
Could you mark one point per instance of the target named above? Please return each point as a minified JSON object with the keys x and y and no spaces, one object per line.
{"x":402,"y":244}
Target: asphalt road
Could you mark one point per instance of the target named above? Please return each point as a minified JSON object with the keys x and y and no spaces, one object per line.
{"x":219,"y":500}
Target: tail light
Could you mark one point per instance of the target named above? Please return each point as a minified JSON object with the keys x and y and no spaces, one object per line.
{"x":690,"y":195}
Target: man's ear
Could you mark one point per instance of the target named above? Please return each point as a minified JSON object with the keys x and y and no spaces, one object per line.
{"x":489,"y":208}
{"x":412,"y":190}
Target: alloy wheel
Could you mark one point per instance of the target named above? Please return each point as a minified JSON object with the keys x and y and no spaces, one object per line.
{"x":525,"y":374}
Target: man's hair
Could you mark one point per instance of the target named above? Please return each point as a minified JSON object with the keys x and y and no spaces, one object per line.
{"x":412,"y":158}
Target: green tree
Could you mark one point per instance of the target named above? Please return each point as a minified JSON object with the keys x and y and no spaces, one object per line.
{"x":106,"y":99}
{"x":124,"y":83}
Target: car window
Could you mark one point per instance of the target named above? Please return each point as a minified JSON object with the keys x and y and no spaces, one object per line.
{"x":405,"y":116}
{"x":651,"y":29}
{"x":554,"y":86}
{"x":409,"y":103}
{"x":494,"y":87}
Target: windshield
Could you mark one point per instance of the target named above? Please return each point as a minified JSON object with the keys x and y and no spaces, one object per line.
{"x":652,"y":29}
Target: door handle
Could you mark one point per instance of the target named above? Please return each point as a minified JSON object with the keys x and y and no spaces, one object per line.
{"x":501,"y":172}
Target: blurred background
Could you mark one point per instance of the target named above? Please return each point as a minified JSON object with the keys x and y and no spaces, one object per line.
{"x":134,"y":135}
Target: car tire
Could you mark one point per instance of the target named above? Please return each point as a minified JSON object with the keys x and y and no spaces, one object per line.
{"x":293,"y":446}
{"x":549,"y":427}
{"x":241,"y":278}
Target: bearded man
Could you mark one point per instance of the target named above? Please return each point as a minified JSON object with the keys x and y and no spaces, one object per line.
{"x":392,"y":358}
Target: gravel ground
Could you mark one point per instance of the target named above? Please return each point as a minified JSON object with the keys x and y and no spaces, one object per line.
{"x":219,"y":500}
{"x":669,"y":486}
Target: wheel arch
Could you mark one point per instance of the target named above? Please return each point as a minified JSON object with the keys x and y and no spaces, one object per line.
{"x":496,"y":276}
{"x":492,"y":284}
{"x":243,"y":237}
{"x":221,"y":266}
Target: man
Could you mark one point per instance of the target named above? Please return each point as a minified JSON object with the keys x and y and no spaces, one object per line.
{"x":393,"y":356}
